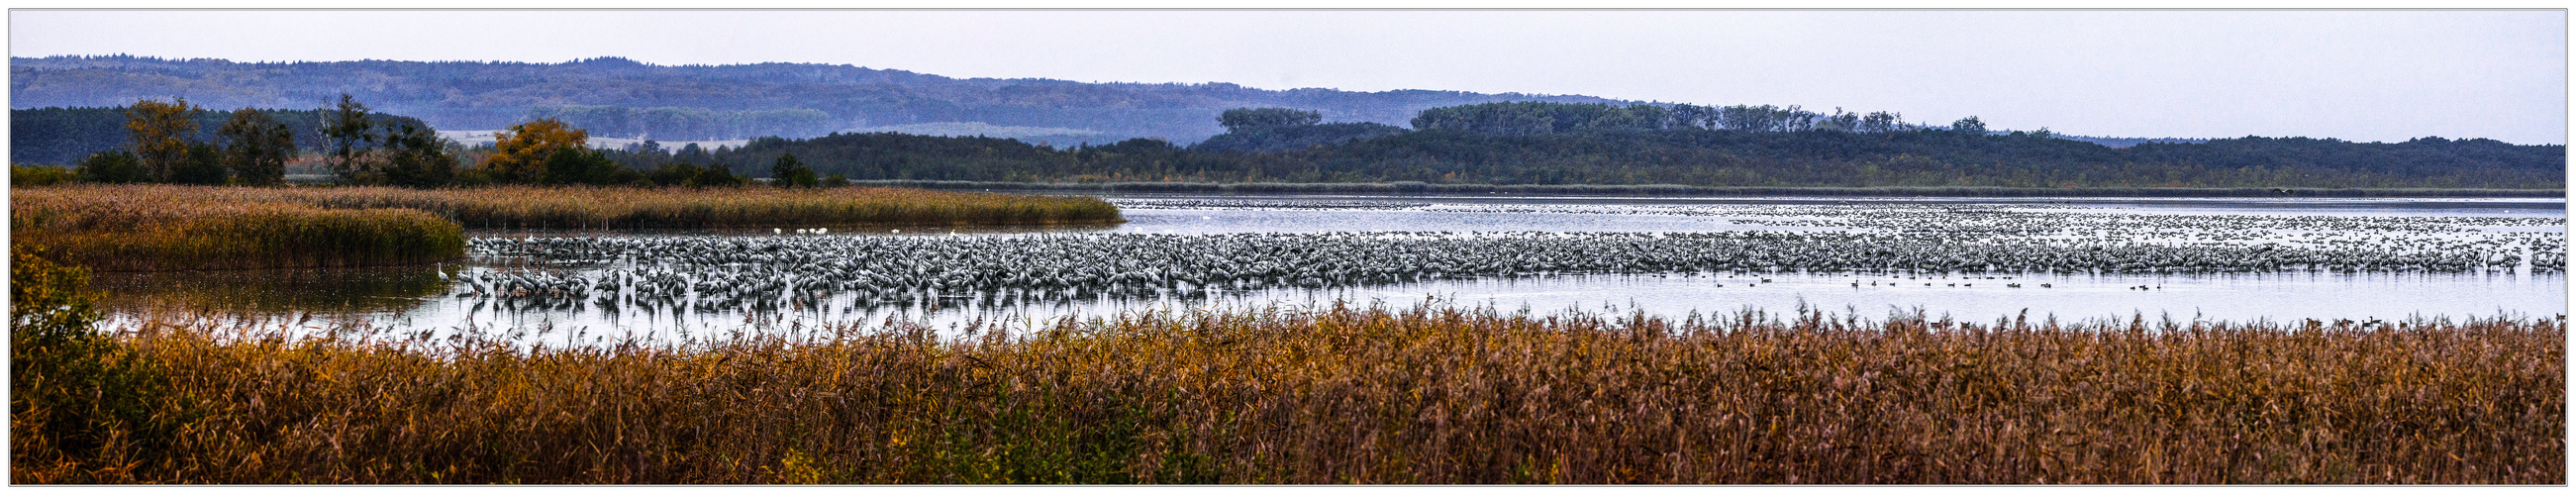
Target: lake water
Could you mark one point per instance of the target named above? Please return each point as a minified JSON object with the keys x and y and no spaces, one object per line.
{"x":2524,"y":240}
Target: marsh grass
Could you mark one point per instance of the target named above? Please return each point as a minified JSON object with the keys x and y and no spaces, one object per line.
{"x":165,"y":227}
{"x":160,"y":227}
{"x":1430,"y":394}
{"x":630,"y":208}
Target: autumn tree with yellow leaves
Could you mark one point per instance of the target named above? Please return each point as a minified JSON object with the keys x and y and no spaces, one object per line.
{"x":160,"y":134}
{"x":520,"y":154}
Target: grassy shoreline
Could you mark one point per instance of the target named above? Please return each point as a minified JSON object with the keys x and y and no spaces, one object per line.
{"x":1707,"y":191}
{"x":1346,"y":395}
{"x":165,"y":227}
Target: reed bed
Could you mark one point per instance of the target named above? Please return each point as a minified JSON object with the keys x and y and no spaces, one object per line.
{"x":628,"y":207}
{"x":1431,"y":394}
{"x":161,"y":227}
{"x":166,"y":227}
{"x":390,"y":289}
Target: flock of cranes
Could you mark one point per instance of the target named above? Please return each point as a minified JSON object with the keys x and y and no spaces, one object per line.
{"x":816,"y":264}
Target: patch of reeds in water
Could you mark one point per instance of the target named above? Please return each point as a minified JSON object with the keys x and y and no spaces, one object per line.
{"x":164,"y":227}
{"x":628,"y":207}
{"x":391,"y":290}
{"x":122,"y":228}
{"x":1427,"y":395}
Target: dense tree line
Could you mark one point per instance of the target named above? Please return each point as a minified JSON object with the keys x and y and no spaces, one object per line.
{"x":253,"y":149}
{"x":1297,"y":137}
{"x":64,"y":136}
{"x":166,"y":142}
{"x":1517,"y":143}
{"x":1544,"y":118}
{"x":1502,"y":144}
{"x":1282,"y":129}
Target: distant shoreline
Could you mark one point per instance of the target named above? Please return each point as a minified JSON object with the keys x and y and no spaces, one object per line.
{"x":1400,"y":188}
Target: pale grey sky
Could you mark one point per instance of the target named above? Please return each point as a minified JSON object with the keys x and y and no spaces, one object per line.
{"x":2356,"y":75}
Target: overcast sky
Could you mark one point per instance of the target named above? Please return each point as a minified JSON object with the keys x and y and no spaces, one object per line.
{"x":2357,"y":75}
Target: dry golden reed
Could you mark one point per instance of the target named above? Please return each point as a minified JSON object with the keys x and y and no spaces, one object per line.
{"x":167,"y":227}
{"x":161,"y":227}
{"x":1426,"y":395}
{"x":673,"y":207}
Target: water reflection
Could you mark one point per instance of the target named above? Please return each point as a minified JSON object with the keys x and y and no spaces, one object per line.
{"x":335,"y":290}
{"x":420,"y":297}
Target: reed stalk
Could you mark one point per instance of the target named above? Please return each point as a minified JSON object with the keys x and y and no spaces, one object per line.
{"x":1431,"y":394}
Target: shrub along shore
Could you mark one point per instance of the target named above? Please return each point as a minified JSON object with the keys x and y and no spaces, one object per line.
{"x":167,"y":227}
{"x":1426,"y":395}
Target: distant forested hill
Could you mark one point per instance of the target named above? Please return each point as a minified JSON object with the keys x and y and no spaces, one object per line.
{"x":620,"y":98}
{"x":63,"y":136}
